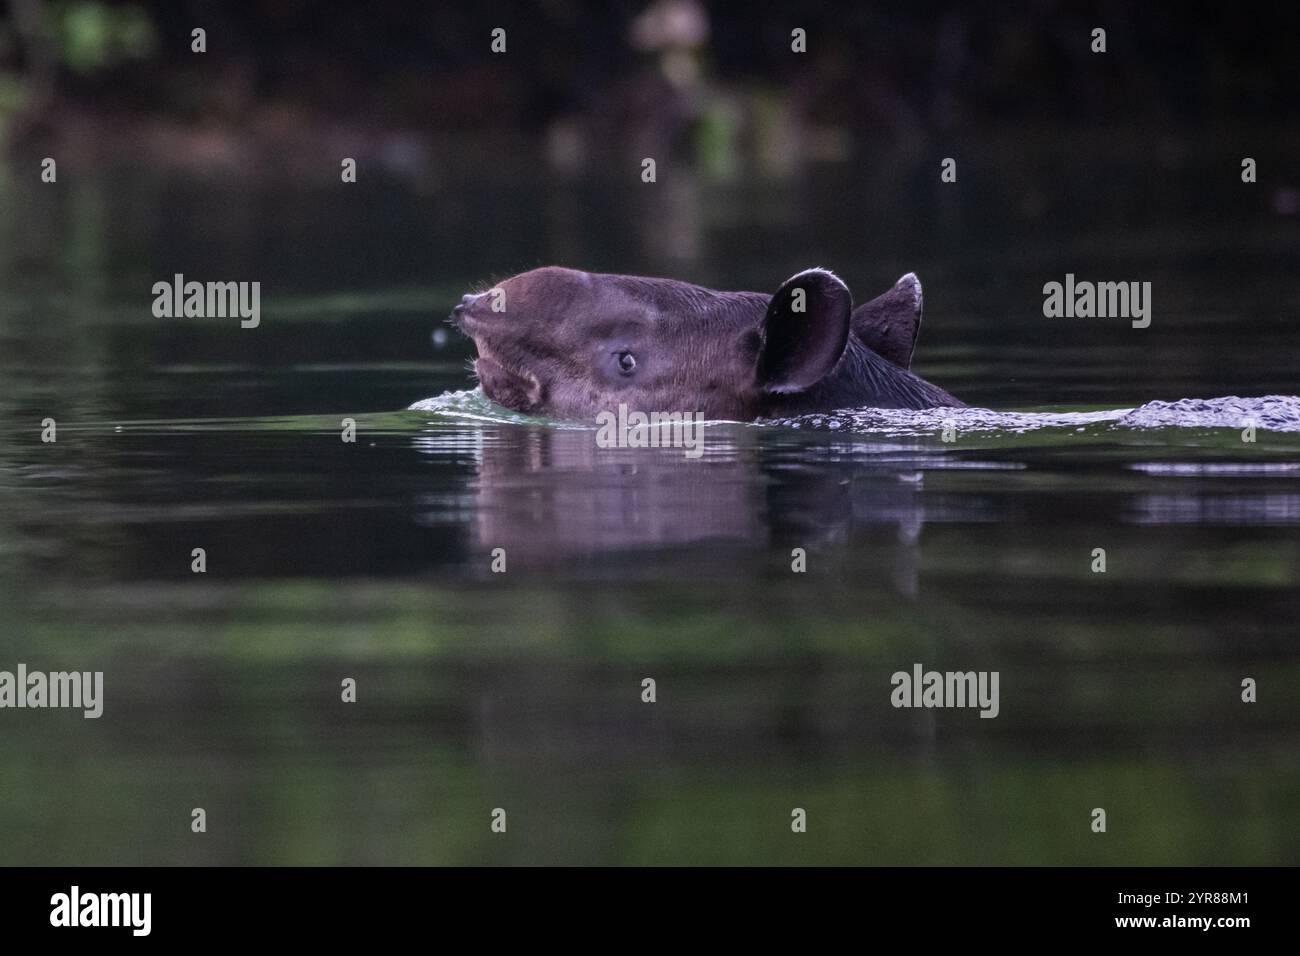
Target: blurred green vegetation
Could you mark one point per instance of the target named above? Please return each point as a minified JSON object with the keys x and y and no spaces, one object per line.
{"x":584,"y":83}
{"x":93,"y":35}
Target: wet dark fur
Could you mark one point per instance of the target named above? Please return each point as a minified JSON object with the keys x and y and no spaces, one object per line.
{"x":733,"y":355}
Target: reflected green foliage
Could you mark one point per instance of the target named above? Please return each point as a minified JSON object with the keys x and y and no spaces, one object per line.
{"x":370,"y":559}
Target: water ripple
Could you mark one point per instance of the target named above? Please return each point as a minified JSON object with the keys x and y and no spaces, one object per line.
{"x":1278,"y":413}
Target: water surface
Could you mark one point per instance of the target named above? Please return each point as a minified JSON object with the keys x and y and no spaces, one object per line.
{"x":522,"y":690}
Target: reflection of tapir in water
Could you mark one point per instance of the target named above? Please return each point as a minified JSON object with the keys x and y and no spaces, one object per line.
{"x":548,"y":494}
{"x":544,"y":493}
{"x":575,"y":344}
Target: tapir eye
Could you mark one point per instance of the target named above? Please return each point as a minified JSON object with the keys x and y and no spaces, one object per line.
{"x":626,"y":362}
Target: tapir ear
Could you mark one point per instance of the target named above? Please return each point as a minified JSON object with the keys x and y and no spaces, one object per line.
{"x":804,"y":332}
{"x":888,"y":323}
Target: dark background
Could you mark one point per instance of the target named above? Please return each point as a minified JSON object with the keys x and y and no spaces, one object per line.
{"x":868,"y":66}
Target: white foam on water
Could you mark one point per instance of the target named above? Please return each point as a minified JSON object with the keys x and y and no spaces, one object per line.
{"x":1280,"y":413}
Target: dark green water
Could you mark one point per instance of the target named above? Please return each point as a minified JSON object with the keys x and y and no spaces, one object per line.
{"x":522,"y":690}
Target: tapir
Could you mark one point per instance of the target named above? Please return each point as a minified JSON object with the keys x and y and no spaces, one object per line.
{"x":568,"y":344}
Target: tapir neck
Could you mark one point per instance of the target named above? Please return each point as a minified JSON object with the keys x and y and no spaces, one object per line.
{"x":862,"y":378}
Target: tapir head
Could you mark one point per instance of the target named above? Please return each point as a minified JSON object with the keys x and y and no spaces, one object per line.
{"x":574,"y":344}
